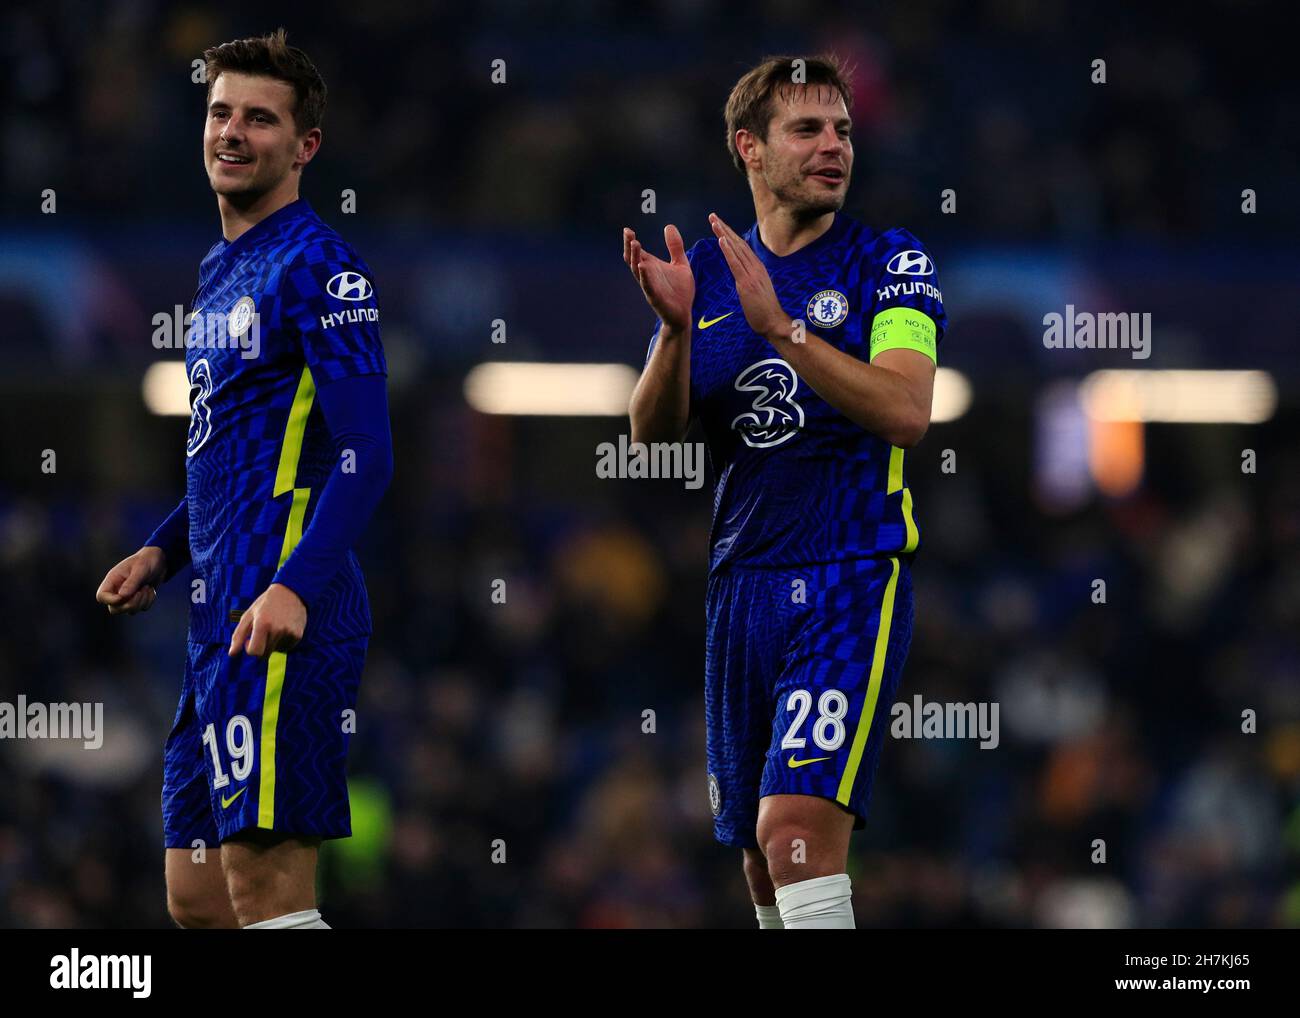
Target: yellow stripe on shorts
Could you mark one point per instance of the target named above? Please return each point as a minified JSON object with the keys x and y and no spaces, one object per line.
{"x":275,"y":666}
{"x":878,"y":655}
{"x":896,"y":484}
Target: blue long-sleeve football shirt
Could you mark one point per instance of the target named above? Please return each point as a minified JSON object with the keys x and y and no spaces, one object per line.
{"x":286,"y":457}
{"x":797,"y":483}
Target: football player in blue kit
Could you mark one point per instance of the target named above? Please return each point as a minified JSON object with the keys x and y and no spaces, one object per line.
{"x":807,"y":350}
{"x":288,"y":454}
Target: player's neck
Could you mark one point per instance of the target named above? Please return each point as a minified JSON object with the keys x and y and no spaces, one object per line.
{"x":238,"y":218}
{"x":783,"y":233}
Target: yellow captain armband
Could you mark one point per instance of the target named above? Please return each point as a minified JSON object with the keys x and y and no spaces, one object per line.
{"x":903,"y":329}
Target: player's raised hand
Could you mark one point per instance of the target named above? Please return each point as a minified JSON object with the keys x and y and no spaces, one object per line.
{"x":275,"y":621}
{"x":758,"y":298}
{"x":131,"y":585}
{"x":669,"y":286}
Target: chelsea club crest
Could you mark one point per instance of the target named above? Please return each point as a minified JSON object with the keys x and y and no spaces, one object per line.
{"x":715,"y":796}
{"x":241,"y":316}
{"x":828,"y":309}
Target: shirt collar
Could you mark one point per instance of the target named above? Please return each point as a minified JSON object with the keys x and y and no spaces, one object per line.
{"x":837,"y":228}
{"x":293,"y":210}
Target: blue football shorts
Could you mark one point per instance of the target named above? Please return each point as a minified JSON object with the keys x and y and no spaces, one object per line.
{"x":801,"y":670}
{"x":261,"y":743}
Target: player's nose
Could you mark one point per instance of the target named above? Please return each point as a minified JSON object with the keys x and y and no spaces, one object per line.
{"x":830,"y":139}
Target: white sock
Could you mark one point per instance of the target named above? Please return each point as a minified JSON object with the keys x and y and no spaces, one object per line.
{"x":769,"y":917}
{"x":823,"y":903}
{"x":306,"y":920}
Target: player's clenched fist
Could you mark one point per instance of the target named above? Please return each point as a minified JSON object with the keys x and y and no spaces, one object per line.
{"x":131,"y":585}
{"x":274,"y":622}
{"x":669,"y":286}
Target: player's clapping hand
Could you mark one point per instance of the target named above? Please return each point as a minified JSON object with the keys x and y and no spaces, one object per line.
{"x":274,"y":622}
{"x":131,"y":585}
{"x":754,"y":287}
{"x":669,"y":286}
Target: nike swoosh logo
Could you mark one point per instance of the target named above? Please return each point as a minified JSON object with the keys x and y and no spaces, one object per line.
{"x":225,"y":803}
{"x":713,"y":321}
{"x":800,"y":763}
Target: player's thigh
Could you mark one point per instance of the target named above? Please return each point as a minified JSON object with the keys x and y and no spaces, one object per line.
{"x":196,"y":887}
{"x":803,"y":834}
{"x":256,"y":860}
{"x":269,"y":874}
{"x":194,"y":876}
{"x":756,"y":876}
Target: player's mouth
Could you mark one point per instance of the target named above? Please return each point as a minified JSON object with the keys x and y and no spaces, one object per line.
{"x":231,"y":159}
{"x":832,"y":176}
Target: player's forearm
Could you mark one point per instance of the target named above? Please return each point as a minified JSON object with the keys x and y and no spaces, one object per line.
{"x":173,"y":537}
{"x":661,"y":402}
{"x":346,"y":505}
{"x":873,"y":397}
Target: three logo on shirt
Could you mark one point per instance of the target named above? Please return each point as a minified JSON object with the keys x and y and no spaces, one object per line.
{"x":200,"y":413}
{"x":774,"y":416}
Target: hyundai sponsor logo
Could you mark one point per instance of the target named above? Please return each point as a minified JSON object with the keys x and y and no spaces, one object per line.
{"x":349,"y":286}
{"x":910,"y":263}
{"x":349,"y":317}
{"x":917,"y":289}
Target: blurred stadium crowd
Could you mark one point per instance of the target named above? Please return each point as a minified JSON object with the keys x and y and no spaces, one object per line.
{"x":524,"y":721}
{"x":604,"y":98}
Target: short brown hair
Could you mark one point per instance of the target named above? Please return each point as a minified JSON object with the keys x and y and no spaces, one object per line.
{"x":749,"y":107}
{"x":273,"y":57}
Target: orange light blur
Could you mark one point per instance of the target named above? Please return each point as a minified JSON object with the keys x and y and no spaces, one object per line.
{"x":1116,"y":453}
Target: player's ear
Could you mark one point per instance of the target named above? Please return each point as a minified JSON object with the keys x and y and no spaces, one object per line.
{"x":745,"y":142}
{"x":308,"y":146}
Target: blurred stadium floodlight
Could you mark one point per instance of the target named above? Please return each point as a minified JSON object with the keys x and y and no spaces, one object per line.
{"x":952,"y":396}
{"x":1180,"y":397}
{"x":571,"y":390}
{"x":166,"y":389}
{"x":559,"y":390}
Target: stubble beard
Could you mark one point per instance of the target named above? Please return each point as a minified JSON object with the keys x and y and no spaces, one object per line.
{"x":245,"y":194}
{"x":795,"y":194}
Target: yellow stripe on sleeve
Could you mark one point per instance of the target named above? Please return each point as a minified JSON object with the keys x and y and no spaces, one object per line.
{"x":291,"y":448}
{"x":293,"y":532}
